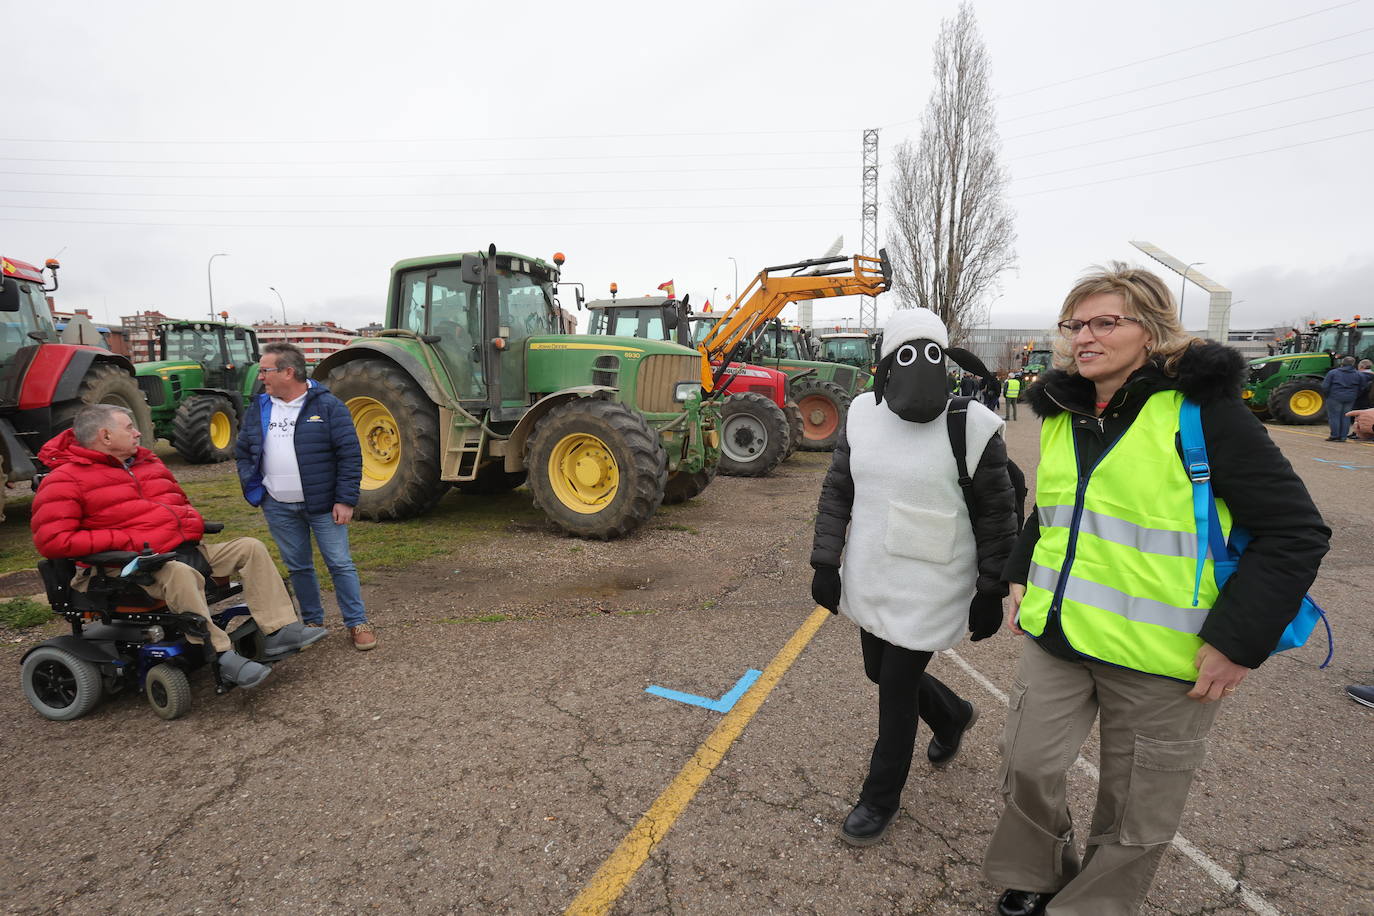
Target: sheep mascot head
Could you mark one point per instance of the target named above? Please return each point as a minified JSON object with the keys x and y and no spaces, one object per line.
{"x":911,"y":372}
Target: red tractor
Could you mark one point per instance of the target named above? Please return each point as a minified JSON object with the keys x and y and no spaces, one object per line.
{"x":42,"y":382}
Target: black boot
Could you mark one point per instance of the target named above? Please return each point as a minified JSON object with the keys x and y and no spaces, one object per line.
{"x":865,"y":825}
{"x":1022,"y":903}
{"x":940,"y":753}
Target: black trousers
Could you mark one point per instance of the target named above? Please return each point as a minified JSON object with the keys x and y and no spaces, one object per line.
{"x":905,"y":693}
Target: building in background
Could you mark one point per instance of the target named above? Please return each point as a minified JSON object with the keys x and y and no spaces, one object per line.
{"x":140,"y":334}
{"x":316,"y":341}
{"x":370,"y":330}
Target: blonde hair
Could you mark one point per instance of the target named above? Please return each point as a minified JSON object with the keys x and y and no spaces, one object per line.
{"x":1145,"y":297}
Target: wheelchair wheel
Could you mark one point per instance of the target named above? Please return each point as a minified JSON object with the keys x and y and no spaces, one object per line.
{"x":59,"y":685}
{"x":169,"y":691}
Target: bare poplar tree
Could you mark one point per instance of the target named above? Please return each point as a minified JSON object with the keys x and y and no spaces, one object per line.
{"x":954,"y":233}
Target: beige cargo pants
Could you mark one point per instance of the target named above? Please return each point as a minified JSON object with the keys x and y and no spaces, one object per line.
{"x":245,"y":559}
{"x":1153,"y":739}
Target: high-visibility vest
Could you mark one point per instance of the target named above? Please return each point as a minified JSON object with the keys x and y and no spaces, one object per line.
{"x":1116,"y":562}
{"x":1013,"y":387}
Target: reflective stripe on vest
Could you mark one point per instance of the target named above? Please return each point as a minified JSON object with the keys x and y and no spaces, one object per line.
{"x":1013,"y":387}
{"x":1125,"y":540}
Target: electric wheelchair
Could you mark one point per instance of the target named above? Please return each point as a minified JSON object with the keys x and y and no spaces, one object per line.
{"x":123,"y":639}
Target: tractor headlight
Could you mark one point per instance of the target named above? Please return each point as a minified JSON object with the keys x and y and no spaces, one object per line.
{"x":683,"y":391}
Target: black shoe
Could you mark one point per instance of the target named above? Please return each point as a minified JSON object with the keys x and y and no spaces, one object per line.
{"x":1334,"y":439}
{"x":1022,"y":903}
{"x":1363,"y":695}
{"x":865,"y":825}
{"x":939,"y":753}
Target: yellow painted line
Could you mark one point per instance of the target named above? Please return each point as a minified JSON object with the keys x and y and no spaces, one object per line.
{"x":616,"y":872}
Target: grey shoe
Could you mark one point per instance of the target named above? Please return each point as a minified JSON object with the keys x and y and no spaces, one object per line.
{"x":292,"y":638}
{"x":240,"y":671}
{"x":1361,"y":694}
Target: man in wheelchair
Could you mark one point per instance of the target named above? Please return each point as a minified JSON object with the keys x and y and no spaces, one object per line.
{"x":106,"y":493}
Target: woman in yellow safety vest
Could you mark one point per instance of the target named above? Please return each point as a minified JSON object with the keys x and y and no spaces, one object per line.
{"x":1102,"y":582}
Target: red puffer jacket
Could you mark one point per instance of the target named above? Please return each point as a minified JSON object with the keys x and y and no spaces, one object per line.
{"x":91,"y":503}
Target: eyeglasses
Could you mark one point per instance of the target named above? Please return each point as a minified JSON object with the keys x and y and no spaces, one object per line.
{"x":279,"y":368}
{"x":1099,"y":325}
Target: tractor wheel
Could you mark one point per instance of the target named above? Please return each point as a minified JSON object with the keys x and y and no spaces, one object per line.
{"x":596,"y":469}
{"x":106,"y":383}
{"x":795,"y":426}
{"x":398,"y":428}
{"x":205,"y":429}
{"x":168,"y":690}
{"x":753,"y":435}
{"x":59,"y":685}
{"x":683,"y":486}
{"x":491,"y":479}
{"x":1298,"y":402}
{"x":824,"y":406}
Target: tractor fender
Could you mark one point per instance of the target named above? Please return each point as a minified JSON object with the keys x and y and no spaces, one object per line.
{"x":56,"y":372}
{"x":413,"y":366}
{"x":233,"y":396}
{"x":14,"y":457}
{"x":84,"y":649}
{"x":515,"y":445}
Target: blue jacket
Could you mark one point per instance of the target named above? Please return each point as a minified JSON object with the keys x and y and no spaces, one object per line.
{"x":1345,"y":384}
{"x":327,"y":451}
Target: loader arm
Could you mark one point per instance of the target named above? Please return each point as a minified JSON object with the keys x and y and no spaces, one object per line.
{"x":767,"y":295}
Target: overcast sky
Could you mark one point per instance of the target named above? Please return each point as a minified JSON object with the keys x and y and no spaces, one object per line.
{"x":317,"y":144}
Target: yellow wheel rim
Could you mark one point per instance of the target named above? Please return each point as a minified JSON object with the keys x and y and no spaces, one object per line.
{"x":380,"y":440}
{"x":583,"y":473}
{"x":219,"y":430}
{"x":1305,"y":403}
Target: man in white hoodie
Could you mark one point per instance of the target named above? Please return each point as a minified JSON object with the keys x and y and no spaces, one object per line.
{"x":898,"y":551}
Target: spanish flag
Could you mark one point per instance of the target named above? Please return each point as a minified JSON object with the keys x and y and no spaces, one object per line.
{"x":668,"y":288}
{"x":707,"y":307}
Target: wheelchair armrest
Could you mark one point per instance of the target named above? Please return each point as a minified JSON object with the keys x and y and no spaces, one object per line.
{"x":117,"y":559}
{"x":214,"y":527}
{"x":108,"y":558}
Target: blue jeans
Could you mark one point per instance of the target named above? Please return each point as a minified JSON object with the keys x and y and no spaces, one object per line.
{"x":1336,"y":418}
{"x":291,"y":526}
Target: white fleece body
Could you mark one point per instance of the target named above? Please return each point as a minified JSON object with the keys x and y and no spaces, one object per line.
{"x":910,"y":564}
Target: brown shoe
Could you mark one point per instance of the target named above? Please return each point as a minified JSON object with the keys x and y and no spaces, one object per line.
{"x":363,"y":637}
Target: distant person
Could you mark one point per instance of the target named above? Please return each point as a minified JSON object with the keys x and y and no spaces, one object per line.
{"x":1342,"y":386}
{"x":968,"y":386}
{"x":299,"y":459}
{"x":992,"y":390}
{"x":1012,"y":392}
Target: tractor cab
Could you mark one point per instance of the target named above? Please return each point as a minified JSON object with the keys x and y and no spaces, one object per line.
{"x":648,"y":317}
{"x":855,"y":350}
{"x":1346,"y":340}
{"x":24,"y":314}
{"x":779,"y":341}
{"x":226,"y":353}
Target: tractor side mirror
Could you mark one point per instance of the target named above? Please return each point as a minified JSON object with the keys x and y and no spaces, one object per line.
{"x":472,"y":268}
{"x":670,"y":317}
{"x":9,"y":295}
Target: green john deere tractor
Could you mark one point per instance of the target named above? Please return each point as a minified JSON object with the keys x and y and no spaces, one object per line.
{"x":198,"y":388}
{"x":473,"y":386}
{"x":1288,"y":387}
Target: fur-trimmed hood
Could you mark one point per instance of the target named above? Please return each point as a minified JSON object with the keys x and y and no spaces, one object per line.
{"x":1207,"y":371}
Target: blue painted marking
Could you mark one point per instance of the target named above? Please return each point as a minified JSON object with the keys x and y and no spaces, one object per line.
{"x":1346,"y":467}
{"x":724,"y":704}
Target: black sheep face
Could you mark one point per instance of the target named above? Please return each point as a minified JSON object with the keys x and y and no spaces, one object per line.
{"x":911,"y":379}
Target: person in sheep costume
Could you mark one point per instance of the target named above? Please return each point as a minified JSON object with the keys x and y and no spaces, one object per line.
{"x":897,"y":551}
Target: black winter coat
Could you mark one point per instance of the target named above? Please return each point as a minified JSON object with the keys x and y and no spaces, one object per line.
{"x":994,"y":525}
{"x":1263,"y":492}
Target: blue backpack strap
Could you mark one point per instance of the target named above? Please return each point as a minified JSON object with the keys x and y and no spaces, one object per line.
{"x":1200,"y":473}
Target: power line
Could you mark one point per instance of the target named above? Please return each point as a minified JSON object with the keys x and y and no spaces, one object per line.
{"x":1180,"y":79}
{"x":1146,"y":60}
{"x":542,"y":209}
{"x":1177,"y":149}
{"x":1187,"y":98}
{"x":342,"y":194}
{"x":338,"y":162}
{"x":828,"y":220}
{"x":774,"y":168}
{"x":413,"y":141}
{"x":1154,"y":130}
{"x":1193,"y":165}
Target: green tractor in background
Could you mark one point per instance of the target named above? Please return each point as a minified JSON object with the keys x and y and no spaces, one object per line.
{"x":199,"y":386}
{"x":1288,"y":387}
{"x":852,"y":348}
{"x":821,"y":389}
{"x":474,"y":386}
{"x":1035,"y":362}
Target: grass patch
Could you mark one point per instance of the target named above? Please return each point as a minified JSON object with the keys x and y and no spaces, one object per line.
{"x":21,"y":613}
{"x":687,"y":528}
{"x":485,"y":618}
{"x":637,"y":613}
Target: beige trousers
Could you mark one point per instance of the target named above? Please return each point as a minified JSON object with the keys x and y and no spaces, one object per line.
{"x":243,"y":558}
{"x":1153,"y":738}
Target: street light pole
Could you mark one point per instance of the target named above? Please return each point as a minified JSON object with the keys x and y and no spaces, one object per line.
{"x":210,"y":282}
{"x":1183,"y":287}
{"x":283,"y":304}
{"x":736,"y":263}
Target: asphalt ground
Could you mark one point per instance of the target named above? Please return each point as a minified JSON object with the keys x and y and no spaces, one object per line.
{"x":507,"y":767}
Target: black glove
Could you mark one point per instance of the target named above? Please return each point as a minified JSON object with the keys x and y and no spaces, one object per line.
{"x":984,"y":615}
{"x":825,"y":588}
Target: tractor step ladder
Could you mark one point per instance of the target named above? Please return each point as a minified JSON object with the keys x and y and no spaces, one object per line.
{"x":461,"y":459}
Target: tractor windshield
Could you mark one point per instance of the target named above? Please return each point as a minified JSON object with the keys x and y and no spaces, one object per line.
{"x":852,"y":351}
{"x":1337,"y":341}
{"x":200,"y":346}
{"x":32,"y":316}
{"x":701,"y":327}
{"x":645,"y":322}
